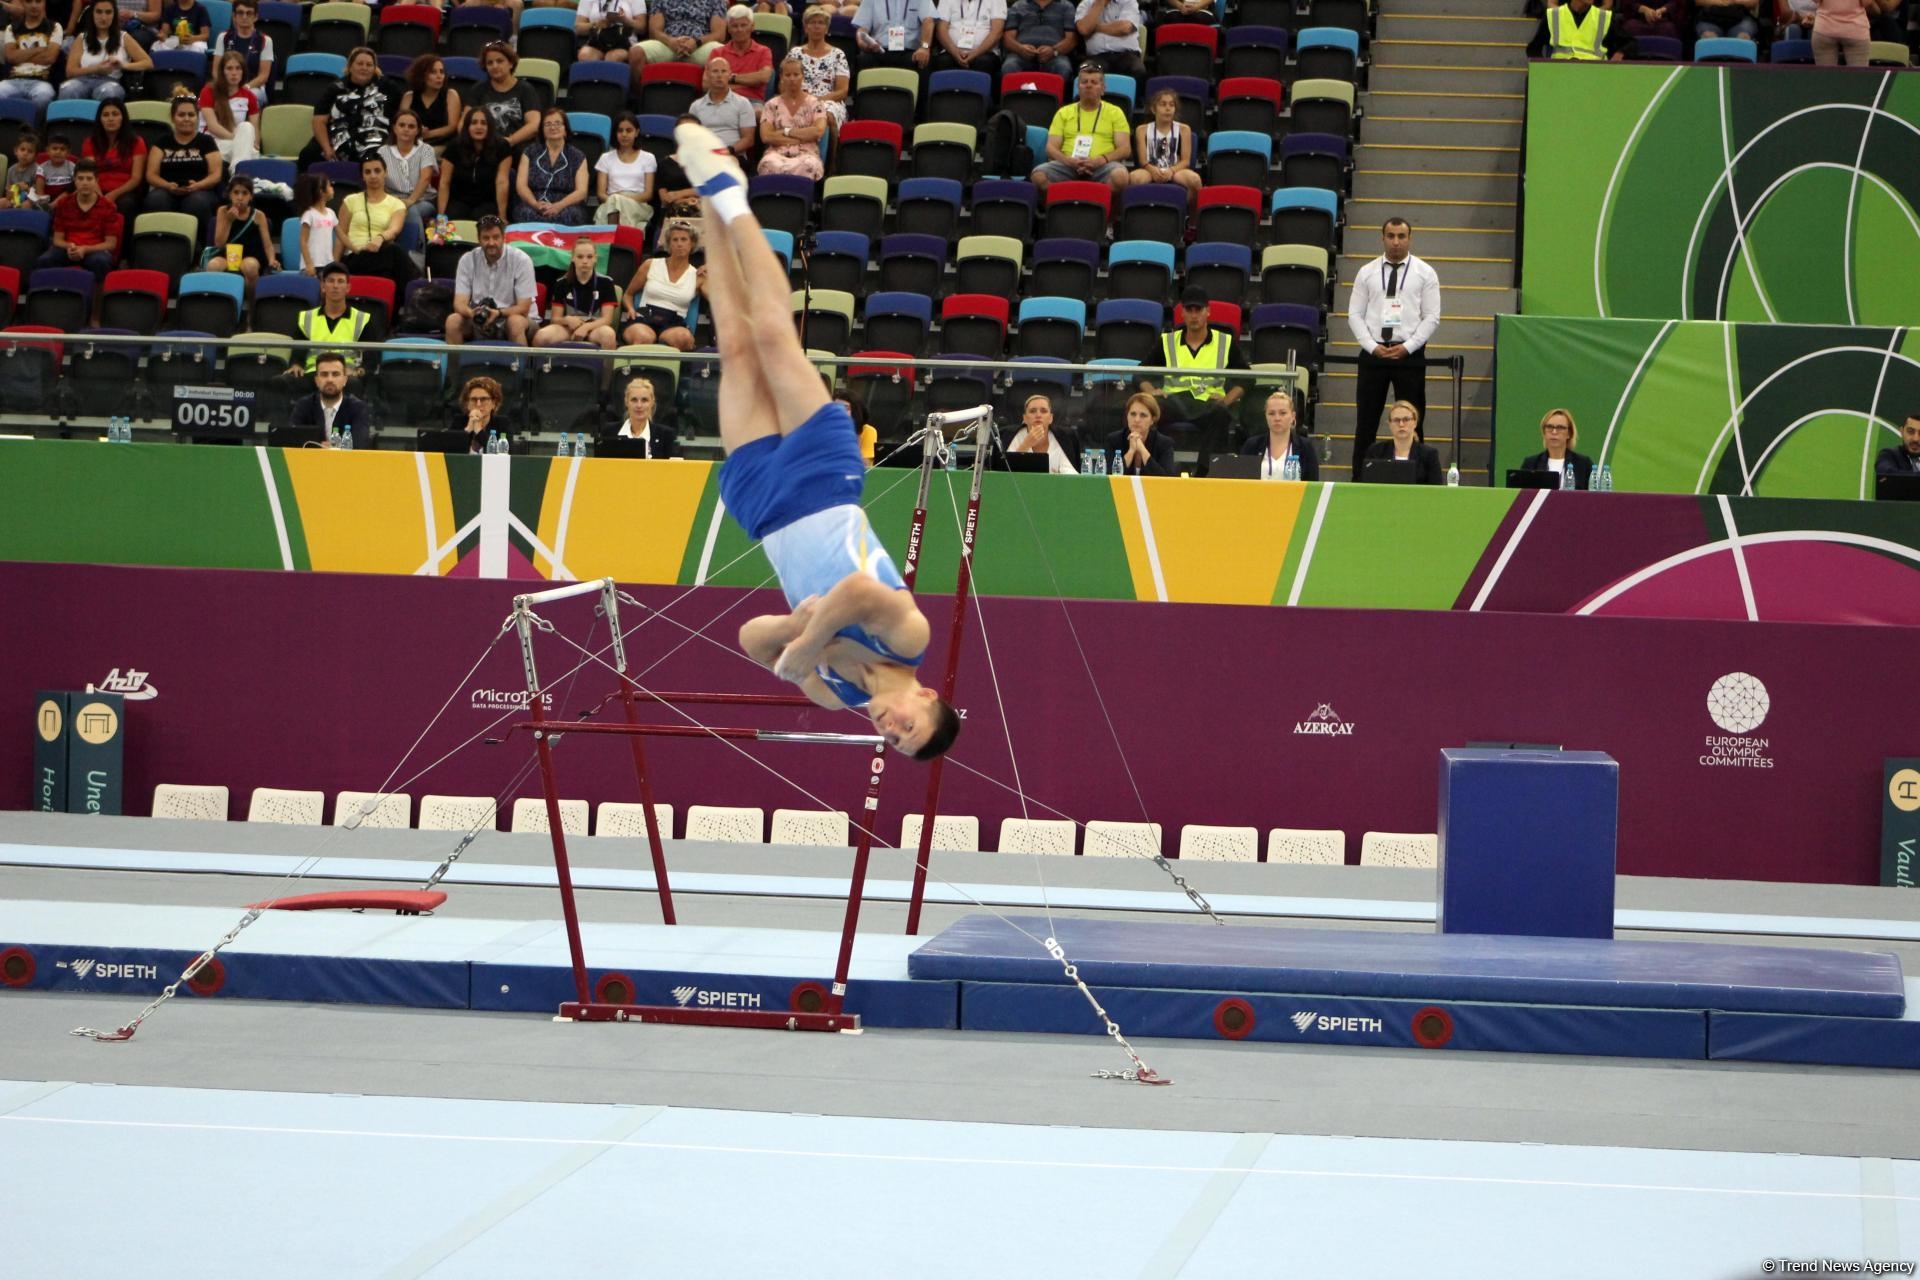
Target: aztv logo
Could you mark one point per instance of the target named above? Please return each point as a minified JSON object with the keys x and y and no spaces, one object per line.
{"x":85,"y":968}
{"x":1313,"y":1020}
{"x":699,"y":999}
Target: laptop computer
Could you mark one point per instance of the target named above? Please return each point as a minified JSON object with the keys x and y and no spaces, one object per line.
{"x":1388,"y":471}
{"x":1232,"y":466}
{"x":619,"y":447}
{"x":1897,"y":488}
{"x":438,"y":440}
{"x":1518,"y":479}
{"x":1030,"y":463}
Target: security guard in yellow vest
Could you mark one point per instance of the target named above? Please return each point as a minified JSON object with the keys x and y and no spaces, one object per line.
{"x":1579,"y":31}
{"x":1204,"y":403}
{"x":332,"y":324}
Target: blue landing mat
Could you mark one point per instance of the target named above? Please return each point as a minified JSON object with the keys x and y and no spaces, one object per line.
{"x":1421,"y":966}
{"x":1843,"y":1042}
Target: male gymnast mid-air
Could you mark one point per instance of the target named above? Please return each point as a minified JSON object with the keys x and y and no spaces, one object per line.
{"x":793,"y":478}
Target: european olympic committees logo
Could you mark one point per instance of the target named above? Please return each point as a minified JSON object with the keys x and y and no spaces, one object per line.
{"x":1738,"y":703}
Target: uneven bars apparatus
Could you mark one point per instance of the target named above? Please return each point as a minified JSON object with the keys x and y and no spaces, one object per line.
{"x":811,"y":1007}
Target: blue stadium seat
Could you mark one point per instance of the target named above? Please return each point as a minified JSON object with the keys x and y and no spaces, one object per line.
{"x":1278,"y":330}
{"x":278,"y":300}
{"x":1304,"y":215}
{"x":211,"y":301}
{"x":839,"y":261}
{"x":1121,"y":91}
{"x":959,"y":97}
{"x":1722,"y":49}
{"x":1128,"y":328}
{"x":1153,"y":211}
{"x":1326,"y":53}
{"x":58,"y":297}
{"x":1237,"y":158}
{"x":911,"y":263}
{"x":1140,"y":269}
{"x":899,"y":322}
{"x":1065,"y":267}
{"x":1051,"y":327}
{"x":928,"y":206}
{"x":596,"y":86}
{"x":1004,"y":207}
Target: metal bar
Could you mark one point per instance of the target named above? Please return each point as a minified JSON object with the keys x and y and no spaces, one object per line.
{"x":562,"y":593}
{"x":962,"y":588}
{"x":764,"y":1019}
{"x":857,"y":883}
{"x":659,"y":855}
{"x":556,"y":728}
{"x":729,"y":699}
{"x":563,"y":872}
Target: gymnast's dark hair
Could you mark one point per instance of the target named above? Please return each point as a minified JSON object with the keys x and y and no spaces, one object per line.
{"x":946,"y":727}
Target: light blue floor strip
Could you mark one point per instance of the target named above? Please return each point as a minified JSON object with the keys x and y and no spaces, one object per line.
{"x":298,"y":1185}
{"x":1062,"y":897}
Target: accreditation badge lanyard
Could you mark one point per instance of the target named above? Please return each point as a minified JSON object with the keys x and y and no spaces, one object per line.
{"x":1393,"y":309}
{"x":896,"y":30}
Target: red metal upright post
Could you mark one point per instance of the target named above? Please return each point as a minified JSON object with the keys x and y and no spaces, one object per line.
{"x":543,"y":746}
{"x":654,"y":847}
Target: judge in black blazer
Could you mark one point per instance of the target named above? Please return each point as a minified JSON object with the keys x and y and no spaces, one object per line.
{"x":1559,"y":434}
{"x":1283,"y":437}
{"x":1141,"y":448}
{"x":1902,"y":459}
{"x":1403,"y":420}
{"x":330,"y":408}
{"x":639,"y":424}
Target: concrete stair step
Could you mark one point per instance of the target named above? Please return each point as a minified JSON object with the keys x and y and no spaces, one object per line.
{"x":1455,"y":103}
{"x":1434,"y":243}
{"x":1457,"y":50}
{"x":1434,"y":73}
{"x":1505,"y":29}
{"x":1466,"y":131}
{"x":1433,"y":157}
{"x":1461,"y":181}
{"x":1479,"y":215}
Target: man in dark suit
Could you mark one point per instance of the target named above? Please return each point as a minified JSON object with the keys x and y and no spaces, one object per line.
{"x":657,"y":438}
{"x":1902,"y":459}
{"x":330,"y":408}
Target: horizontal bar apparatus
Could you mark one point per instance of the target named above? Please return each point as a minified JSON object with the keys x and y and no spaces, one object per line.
{"x":558,"y":727}
{"x":562,"y":593}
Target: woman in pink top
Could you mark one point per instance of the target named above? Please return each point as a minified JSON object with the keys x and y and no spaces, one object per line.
{"x":1840,"y":32}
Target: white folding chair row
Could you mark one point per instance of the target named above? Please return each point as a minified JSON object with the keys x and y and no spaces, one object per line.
{"x":457,"y":813}
{"x":293,"y":808}
{"x":950,"y":831}
{"x":624,"y":818}
{"x":731,"y":825}
{"x":1036,"y":835}
{"x":1121,"y":839}
{"x":530,"y":814}
{"x":808,"y":826}
{"x":394,"y":809}
{"x":1398,"y":849}
{"x":180,"y":800}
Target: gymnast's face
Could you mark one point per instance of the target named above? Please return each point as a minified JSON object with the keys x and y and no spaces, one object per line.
{"x":904,"y":719}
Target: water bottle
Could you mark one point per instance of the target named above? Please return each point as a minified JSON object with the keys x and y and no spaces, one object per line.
{"x":126,"y":429}
{"x":346,"y":439}
{"x":1100,"y":462}
{"x":1566,"y":475}
{"x":1453,"y":475}
{"x":565,"y":448}
{"x":580,"y":444}
{"x":493,"y":442}
{"x":1606,"y":478}
{"x":1290,"y":469}
{"x":1086,"y":463}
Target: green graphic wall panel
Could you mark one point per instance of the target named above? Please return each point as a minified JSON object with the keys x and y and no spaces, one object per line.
{"x":1713,"y":192}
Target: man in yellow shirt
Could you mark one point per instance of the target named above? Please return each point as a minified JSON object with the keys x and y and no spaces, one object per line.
{"x":1088,"y":140}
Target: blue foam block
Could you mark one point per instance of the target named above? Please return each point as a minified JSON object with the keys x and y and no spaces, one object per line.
{"x":142,"y":971}
{"x":1845,"y":1042}
{"x":523,"y":988}
{"x":1403,"y":1024}
{"x":1421,"y":966}
{"x":1527,"y":842}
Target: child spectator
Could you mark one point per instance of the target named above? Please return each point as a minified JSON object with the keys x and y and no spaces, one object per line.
{"x":314,"y":194}
{"x":184,"y":25}
{"x":17,"y":191}
{"x":53,"y":174}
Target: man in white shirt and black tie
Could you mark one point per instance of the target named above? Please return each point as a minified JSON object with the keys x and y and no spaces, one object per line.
{"x":1394,"y":310}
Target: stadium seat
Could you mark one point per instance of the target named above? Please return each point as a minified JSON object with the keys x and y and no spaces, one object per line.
{"x":1236,"y":159}
{"x":628,"y":820}
{"x":1669,"y":49}
{"x":1140,"y":269}
{"x":16,"y":114}
{"x":1053,"y":327}
{"x":592,"y":134}
{"x":1036,"y":376}
{"x":928,"y":206}
{"x":179,"y":361}
{"x":257,"y":362}
{"x":1185,"y":49}
{"x":30,"y":356}
{"x":24,"y":236}
{"x":1352,"y":16}
{"x":1153,"y":211}
{"x":668,"y":88}
{"x":503,"y":361}
{"x":278,"y":300}
{"x":781,"y":201}
{"x":886,"y":389}
{"x":1228,"y":213}
{"x":211,"y":302}
{"x":280,"y":21}
{"x":9,"y":295}
{"x":409,"y":30}
{"x":1323,"y":106}
{"x":409,"y":382}
{"x":563,"y":387}
{"x":1295,"y":273}
{"x":464,"y":74}
{"x":824,"y":317}
{"x":988,"y":264}
{"x":392,"y":810}
{"x":839,"y":261}
{"x":335,"y":28}
{"x":1121,"y":839}
{"x":944,"y":151}
{"x":285,"y":128}
{"x":1036,"y":835}
{"x":869,"y":148}
{"x":655,"y":362}
{"x":291,"y":808}
{"x":98,"y":374}
{"x":1888,"y":53}
{"x":1313,"y":160}
{"x":174,"y":71}
{"x":1005,"y":207}
{"x":1279,"y":331}
{"x":1221,"y":314}
{"x":959,"y":97}
{"x":1304,"y":215}
{"x":1221,"y":270}
{"x":952,"y":389}
{"x":898,"y":322}
{"x":1247,"y":105}
{"x":1254,"y":52}
{"x":854,"y":204}
{"x":1713,"y":49}
{"x":885,"y":93}
{"x":973,"y":324}
{"x":1107,"y":392}
{"x":1121,"y":91}
{"x":70,"y":119}
{"x":547,"y":35}
{"x":1078,"y":209}
{"x":1065,"y":268}
{"x":912,"y":263}
{"x":1128,"y":329}
{"x":1293,"y":844}
{"x":774,"y":30}
{"x":308,"y":77}
{"x":597,"y":86}
{"x":1326,"y":53}
{"x":1781,"y":51}
{"x":545,"y":75}
{"x":374,"y":295}
{"x":165,"y":242}
{"x":1200,"y":843}
{"x":1033,"y":97}
{"x":59,"y":298}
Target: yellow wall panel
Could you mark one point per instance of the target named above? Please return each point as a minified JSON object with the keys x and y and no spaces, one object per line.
{"x":361,"y":511}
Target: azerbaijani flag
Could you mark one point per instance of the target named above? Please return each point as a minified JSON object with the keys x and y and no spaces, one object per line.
{"x":551,"y":246}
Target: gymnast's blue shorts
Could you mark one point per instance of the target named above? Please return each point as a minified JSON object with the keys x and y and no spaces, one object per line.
{"x":773,"y":481}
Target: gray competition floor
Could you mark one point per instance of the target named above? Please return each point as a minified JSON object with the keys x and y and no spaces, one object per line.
{"x":278,"y":1139}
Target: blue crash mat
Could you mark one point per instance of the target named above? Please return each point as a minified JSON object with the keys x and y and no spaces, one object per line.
{"x":1561,"y":971}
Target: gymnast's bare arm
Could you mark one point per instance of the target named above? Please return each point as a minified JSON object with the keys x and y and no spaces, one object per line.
{"x":763,"y":638}
{"x":857,"y":599}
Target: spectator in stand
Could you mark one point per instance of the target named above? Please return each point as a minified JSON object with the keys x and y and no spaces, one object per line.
{"x":660,"y":295}
{"x":1665,"y":20}
{"x":750,"y":61}
{"x":184,"y":26}
{"x":1581,"y":31}
{"x":550,"y":179}
{"x":1902,"y":459}
{"x":119,"y":156}
{"x":1843,"y":32}
{"x":1088,"y":137}
{"x":330,"y":408}
{"x":1559,"y":434}
{"x":513,"y":8}
{"x":371,"y":221}
{"x":52,"y":172}
{"x":333,"y":322}
{"x":791,"y":126}
{"x":1393,"y":314}
{"x":865,"y":431}
{"x":86,"y":229}
{"x":430,"y":97}
{"x":968,"y":34}
{"x":100,"y":54}
{"x":1036,"y":435}
{"x":728,"y":114}
{"x":352,"y":119}
{"x":1039,"y":36}
{"x":512,"y":102}
{"x":895,"y":33}
{"x":825,"y":69}
{"x":313,"y":195}
{"x":29,"y":47}
{"x":1739,"y":19}
{"x":1283,"y":439}
{"x":658,"y":439}
{"x":16,"y":187}
{"x":581,"y":304}
{"x":1164,"y":148}
{"x":411,"y":166}
{"x":228,"y":108}
{"x":253,"y":44}
{"x":1141,"y":448}
{"x":237,"y":222}
{"x":474,"y":172}
{"x":138,"y":18}
{"x":609,"y":29}
{"x":184,"y":169}
{"x":482,"y":414}
{"x":682,"y":31}
{"x":493,"y":290}
{"x":1110,"y":30}
{"x":673,"y":189}
{"x":1189,"y":396}
{"x":1403,"y":420}
{"x":1187,"y":11}
{"x":625,"y":177}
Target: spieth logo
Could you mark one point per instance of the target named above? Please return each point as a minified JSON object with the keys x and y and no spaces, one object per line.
{"x":497,"y":700}
{"x":685,"y":996}
{"x":1310,"y":1020}
{"x":82,"y":968}
{"x":1738,"y":703}
{"x":1325,"y":722}
{"x":132,"y":685}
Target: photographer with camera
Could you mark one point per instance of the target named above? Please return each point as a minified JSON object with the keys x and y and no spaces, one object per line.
{"x":492,"y":289}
